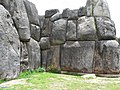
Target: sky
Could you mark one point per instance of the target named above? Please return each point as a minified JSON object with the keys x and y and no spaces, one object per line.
{"x":43,"y":5}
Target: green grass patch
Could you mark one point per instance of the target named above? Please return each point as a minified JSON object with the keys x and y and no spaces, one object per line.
{"x":37,"y":80}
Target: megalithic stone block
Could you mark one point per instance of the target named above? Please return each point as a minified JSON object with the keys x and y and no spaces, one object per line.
{"x":32,"y":12}
{"x":107,"y":57}
{"x":97,"y":8}
{"x":19,"y":15}
{"x":77,"y":56}
{"x":58,"y":35}
{"x":9,"y":47}
{"x":105,"y":28}
{"x":34,"y":54}
{"x":86,"y":29}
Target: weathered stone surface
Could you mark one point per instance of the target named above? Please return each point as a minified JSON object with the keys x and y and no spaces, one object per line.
{"x":70,"y":14}
{"x":9,"y":47}
{"x":77,"y":56}
{"x":58,"y":32}
{"x":81,"y":12}
{"x":23,"y":57}
{"x":19,"y":15}
{"x":41,"y":21}
{"x":56,"y":17}
{"x":51,"y":12}
{"x":86,"y":29}
{"x":35,"y":32}
{"x":106,"y":28}
{"x":54,"y":63}
{"x":45,"y":43}
{"x":71,"y":30}
{"x":47,"y":27}
{"x":107,"y":57}
{"x":34,"y":54}
{"x":32,"y":12}
{"x":51,"y":58}
{"x":97,"y":8}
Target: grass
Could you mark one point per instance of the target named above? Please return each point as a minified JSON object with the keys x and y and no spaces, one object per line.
{"x":37,"y":80}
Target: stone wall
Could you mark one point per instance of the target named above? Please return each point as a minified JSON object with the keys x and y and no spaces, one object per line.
{"x":81,"y":40}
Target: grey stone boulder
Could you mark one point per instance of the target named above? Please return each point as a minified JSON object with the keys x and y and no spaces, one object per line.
{"x":58,"y":35}
{"x":41,"y":21}
{"x":56,"y":17}
{"x":51,"y":59}
{"x":34,"y":54}
{"x":23,"y":57}
{"x":35,"y":32}
{"x":81,"y":12}
{"x":32,"y":12}
{"x":47,"y":27}
{"x":106,"y":28}
{"x":77,"y":56}
{"x":71,"y":30}
{"x":9,"y":47}
{"x":97,"y":8}
{"x":70,"y":14}
{"x":86,"y":29}
{"x":19,"y":15}
{"x":45,"y":43}
{"x":107,"y":57}
{"x":51,"y":12}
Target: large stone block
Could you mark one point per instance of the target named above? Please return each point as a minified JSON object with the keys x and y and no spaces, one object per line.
{"x":97,"y":8}
{"x":35,"y":32}
{"x":77,"y":56}
{"x":51,"y":58}
{"x":56,"y":17}
{"x":106,"y":28}
{"x":107,"y":57}
{"x":51,"y":12}
{"x":34,"y":54}
{"x":47,"y":27}
{"x":70,"y":14}
{"x":58,"y":35}
{"x":19,"y":15}
{"x":81,"y":12}
{"x":45,"y":43}
{"x":32,"y":12}
{"x":9,"y":47}
{"x":86,"y":29}
{"x":71,"y":30}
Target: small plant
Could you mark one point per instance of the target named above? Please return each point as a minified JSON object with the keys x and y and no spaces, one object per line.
{"x":53,"y":69}
{"x":29,"y":72}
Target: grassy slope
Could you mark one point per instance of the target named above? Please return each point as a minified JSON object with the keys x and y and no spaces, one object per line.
{"x":50,"y":81}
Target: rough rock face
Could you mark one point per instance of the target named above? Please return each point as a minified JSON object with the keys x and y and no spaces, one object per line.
{"x":34,"y":54}
{"x":107,"y":56}
{"x":51,"y":12}
{"x":86,"y":29}
{"x":97,"y":8}
{"x":32,"y":12}
{"x":47,"y":27}
{"x":9,"y":47}
{"x":77,"y":56}
{"x":19,"y":15}
{"x":106,"y":28}
{"x":45,"y":43}
{"x":71,"y":30}
{"x":35,"y":32}
{"x":58,"y":32}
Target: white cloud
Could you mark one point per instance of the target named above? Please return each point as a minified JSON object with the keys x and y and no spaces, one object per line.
{"x":43,"y":5}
